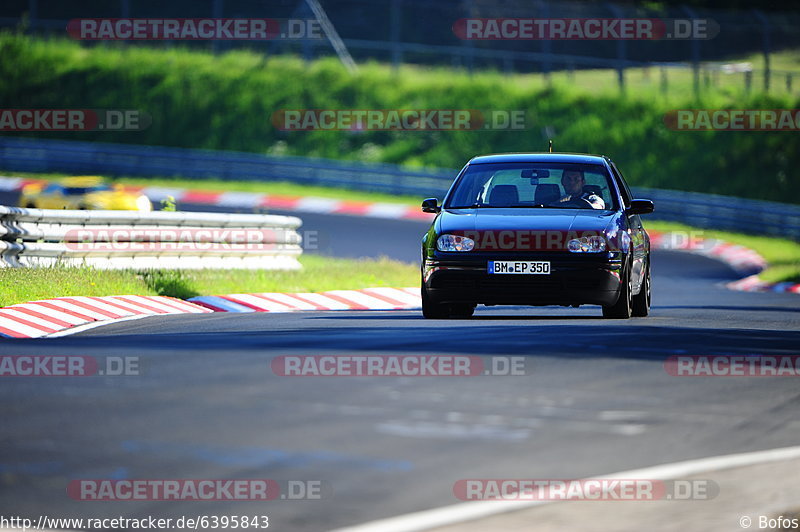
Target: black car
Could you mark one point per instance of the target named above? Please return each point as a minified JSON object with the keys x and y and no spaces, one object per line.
{"x":537,"y":229}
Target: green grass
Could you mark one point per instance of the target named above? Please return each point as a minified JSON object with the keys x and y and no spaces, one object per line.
{"x":20,"y":285}
{"x":277,"y":188}
{"x":646,"y":82}
{"x":226,"y":101}
{"x":319,"y":274}
{"x":783,"y":255}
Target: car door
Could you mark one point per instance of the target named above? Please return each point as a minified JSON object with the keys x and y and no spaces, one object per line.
{"x":51,"y":197}
{"x":639,"y":241}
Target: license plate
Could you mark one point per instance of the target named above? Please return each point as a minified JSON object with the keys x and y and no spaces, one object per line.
{"x":519,"y":267}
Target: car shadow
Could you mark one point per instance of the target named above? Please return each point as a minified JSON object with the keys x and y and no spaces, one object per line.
{"x":730,"y":307}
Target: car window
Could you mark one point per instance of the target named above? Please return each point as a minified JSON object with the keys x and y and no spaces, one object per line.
{"x":525,"y":190}
{"x":79,"y":191}
{"x":525,"y":185}
{"x":623,"y":186}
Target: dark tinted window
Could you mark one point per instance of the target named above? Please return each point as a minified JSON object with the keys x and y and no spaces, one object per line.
{"x":623,"y":186}
{"x":526,"y":185}
{"x":79,"y":191}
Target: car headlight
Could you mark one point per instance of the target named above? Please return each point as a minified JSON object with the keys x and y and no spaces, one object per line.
{"x":143,"y":204}
{"x":587,"y":244}
{"x":454,"y":243}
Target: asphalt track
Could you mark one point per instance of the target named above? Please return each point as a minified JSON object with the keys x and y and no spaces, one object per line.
{"x":596,"y":400}
{"x":340,"y":236}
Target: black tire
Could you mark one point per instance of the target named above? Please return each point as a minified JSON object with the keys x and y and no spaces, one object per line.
{"x":621,"y":310}
{"x":432,"y":310}
{"x":640,"y":306}
{"x":462,"y":310}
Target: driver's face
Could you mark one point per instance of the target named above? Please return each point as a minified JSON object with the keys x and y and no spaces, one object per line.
{"x":573,"y":182}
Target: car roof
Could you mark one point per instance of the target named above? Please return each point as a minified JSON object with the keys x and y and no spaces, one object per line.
{"x":581,"y":158}
{"x":82,"y":181}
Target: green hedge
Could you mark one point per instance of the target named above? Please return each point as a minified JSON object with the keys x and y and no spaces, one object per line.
{"x":200,"y":100}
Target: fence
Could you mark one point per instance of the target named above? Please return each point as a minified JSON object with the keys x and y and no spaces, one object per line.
{"x":421,"y":32}
{"x":147,"y":240}
{"x":35,"y":155}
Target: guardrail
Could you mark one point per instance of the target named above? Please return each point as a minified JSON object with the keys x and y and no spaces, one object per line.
{"x":36,"y":155}
{"x":728,"y":213}
{"x":39,"y":155}
{"x":147,"y":240}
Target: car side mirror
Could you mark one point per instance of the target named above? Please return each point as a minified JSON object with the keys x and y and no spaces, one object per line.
{"x":640,"y":206}
{"x":431,"y":205}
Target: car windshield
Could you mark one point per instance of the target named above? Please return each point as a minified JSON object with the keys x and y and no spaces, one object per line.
{"x":79,"y":191}
{"x":529,"y":185}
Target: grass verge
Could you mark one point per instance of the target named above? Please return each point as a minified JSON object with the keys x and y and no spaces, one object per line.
{"x":228,"y":101}
{"x":20,"y":285}
{"x":276,"y":188}
{"x":782,"y":254}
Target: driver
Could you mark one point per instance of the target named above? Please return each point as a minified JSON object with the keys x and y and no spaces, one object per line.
{"x":573,"y":182}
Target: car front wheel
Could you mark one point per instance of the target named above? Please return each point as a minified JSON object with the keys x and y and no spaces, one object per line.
{"x":432,"y":310}
{"x":622,"y":308}
{"x":462,"y":310}
{"x":641,"y":301}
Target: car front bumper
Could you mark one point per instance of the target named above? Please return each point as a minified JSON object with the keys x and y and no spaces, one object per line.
{"x":574,"y":279}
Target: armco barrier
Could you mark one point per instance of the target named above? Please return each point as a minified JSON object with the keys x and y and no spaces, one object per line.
{"x":728,"y":213}
{"x":145,"y":240}
{"x":38,"y":155}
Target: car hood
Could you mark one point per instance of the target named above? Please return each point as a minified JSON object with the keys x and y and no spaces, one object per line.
{"x":113,"y":199}
{"x":538,"y":219}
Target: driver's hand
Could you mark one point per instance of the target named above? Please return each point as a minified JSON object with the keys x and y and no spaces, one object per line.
{"x":568,"y":197}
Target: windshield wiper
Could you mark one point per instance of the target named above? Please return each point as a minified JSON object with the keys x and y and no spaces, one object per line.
{"x":534,"y":206}
{"x":489,"y":206}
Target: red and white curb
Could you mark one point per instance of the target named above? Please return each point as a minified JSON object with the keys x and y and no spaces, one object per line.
{"x":744,"y":261}
{"x":67,"y":315}
{"x":753,"y":284}
{"x":51,"y":318}
{"x":365,"y":299}
{"x":253,"y":200}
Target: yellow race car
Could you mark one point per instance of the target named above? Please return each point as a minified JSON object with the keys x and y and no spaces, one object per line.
{"x":82,"y":193}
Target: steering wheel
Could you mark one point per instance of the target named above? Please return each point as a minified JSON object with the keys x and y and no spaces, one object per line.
{"x":581,"y":203}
